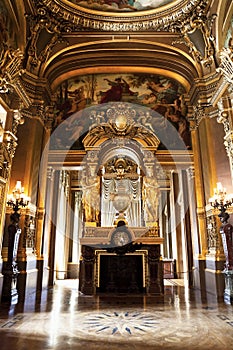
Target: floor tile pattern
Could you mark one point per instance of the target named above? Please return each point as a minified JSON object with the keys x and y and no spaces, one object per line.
{"x":62,"y":319}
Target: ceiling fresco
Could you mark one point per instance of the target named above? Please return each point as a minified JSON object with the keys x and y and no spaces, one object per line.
{"x":121,"y":5}
{"x":161,"y":95}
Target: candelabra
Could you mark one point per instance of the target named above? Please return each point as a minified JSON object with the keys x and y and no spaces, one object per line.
{"x":16,"y":200}
{"x":222,"y":201}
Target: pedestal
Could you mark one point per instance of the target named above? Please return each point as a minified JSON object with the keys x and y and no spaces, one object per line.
{"x":9,"y":291}
{"x":121,"y":270}
{"x":226,"y":231}
{"x":228,"y":292}
{"x":10,"y":269}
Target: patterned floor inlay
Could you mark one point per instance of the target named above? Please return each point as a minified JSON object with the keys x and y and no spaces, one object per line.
{"x":122,"y":323}
{"x":66,"y":320}
{"x":159,"y":328}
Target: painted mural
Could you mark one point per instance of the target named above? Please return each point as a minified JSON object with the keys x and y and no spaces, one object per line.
{"x":121,"y":5}
{"x":162,"y":95}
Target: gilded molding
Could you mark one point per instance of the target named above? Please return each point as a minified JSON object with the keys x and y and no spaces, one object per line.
{"x":11,"y":71}
{"x":226,"y":65}
{"x":77,"y":18}
{"x":58,"y":17}
{"x":225,"y":75}
{"x":201,"y":213}
{"x":123,"y":121}
{"x":202,"y":99}
{"x":203,"y":48}
{"x":228,"y":143}
{"x":199,"y":112}
{"x":40,"y":214}
{"x":9,"y":144}
{"x":223,"y":117}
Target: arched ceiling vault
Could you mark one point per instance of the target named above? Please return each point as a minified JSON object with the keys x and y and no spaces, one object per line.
{"x":62,"y":39}
{"x":124,"y":55}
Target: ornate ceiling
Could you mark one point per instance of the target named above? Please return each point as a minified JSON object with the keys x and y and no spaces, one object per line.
{"x":61,"y":40}
{"x":121,"y":5}
{"x":143,"y":14}
{"x":89,"y":41}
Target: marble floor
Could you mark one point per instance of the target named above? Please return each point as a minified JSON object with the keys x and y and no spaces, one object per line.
{"x":62,"y":319}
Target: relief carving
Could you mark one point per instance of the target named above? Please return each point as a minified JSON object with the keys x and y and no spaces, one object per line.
{"x":30,"y":232}
{"x":212,"y":234}
{"x":164,"y":20}
{"x":118,"y":121}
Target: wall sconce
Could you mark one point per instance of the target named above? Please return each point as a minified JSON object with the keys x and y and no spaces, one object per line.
{"x":17,"y":199}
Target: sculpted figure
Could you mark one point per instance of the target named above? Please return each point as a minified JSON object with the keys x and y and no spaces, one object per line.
{"x":150,"y":197}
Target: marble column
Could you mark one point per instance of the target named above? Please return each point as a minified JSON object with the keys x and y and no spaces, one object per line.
{"x":76,"y":232}
{"x":176,"y":234}
{"x":62,"y":227}
{"x":200,"y":245}
{"x":42,"y":196}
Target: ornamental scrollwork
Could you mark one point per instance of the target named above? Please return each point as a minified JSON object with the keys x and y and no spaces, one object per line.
{"x":10,"y":61}
{"x":43,"y":20}
{"x":11,"y":71}
{"x":119,"y":121}
{"x":64,"y":182}
{"x":196,"y":32}
{"x":228,"y":143}
{"x":226,"y":65}
{"x":73,"y":18}
{"x":198,"y":114}
{"x":223,"y":117}
{"x":30,"y":232}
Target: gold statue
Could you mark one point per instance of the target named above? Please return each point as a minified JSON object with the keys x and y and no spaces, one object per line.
{"x":91,"y":199}
{"x":150,"y":197}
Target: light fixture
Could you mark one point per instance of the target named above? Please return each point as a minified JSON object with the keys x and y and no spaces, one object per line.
{"x":18,"y":199}
{"x":221,"y":200}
